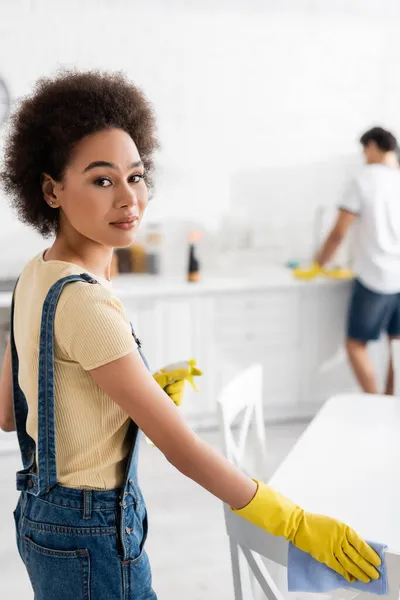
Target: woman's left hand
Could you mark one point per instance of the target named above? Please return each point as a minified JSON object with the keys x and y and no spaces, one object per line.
{"x":172,"y":378}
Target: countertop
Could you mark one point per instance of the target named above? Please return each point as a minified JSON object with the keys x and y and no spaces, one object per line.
{"x":153,"y":286}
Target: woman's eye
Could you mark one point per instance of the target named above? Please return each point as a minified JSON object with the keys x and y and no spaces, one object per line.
{"x":136,"y":178}
{"x":103,"y":182}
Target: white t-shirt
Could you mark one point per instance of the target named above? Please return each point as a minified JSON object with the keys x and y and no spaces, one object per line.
{"x":374,"y":195}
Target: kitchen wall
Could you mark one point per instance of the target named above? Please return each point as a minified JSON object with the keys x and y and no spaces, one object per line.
{"x":259,"y":103}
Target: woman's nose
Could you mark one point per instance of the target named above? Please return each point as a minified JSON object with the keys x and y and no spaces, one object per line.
{"x":126,"y":198}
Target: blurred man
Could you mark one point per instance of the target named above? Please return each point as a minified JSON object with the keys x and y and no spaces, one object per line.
{"x":372,"y":200}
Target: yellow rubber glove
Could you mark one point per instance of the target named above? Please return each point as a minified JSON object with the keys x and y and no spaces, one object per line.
{"x":327,"y":540}
{"x":338,"y":273}
{"x":172,"y":378}
{"x":307,"y":273}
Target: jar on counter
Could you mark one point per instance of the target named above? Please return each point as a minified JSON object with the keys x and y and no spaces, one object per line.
{"x":123,"y":260}
{"x":154,"y":247}
{"x":138,"y":258}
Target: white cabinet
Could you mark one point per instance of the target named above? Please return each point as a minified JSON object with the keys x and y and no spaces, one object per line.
{"x":325,"y":369}
{"x":262,"y":327}
{"x":295,"y":330}
{"x":4,"y":329}
{"x":225,"y":333}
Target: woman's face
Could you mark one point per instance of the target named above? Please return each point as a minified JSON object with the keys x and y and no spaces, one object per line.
{"x":103,"y":194}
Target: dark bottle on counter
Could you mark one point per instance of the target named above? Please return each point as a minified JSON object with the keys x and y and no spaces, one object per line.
{"x":193,"y":265}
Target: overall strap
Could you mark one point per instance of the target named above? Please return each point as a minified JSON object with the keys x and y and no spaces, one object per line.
{"x":26,"y":443}
{"x":47,"y":471}
{"x":45,"y":457}
{"x":134,"y":433}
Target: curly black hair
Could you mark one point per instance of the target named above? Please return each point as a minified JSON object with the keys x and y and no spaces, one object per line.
{"x":53,"y":119}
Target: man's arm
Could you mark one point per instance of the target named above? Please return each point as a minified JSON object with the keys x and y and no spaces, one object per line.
{"x":344,"y":220}
{"x":7,"y":422}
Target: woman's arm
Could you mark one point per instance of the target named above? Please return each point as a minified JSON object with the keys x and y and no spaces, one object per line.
{"x":132,"y":387}
{"x":7,"y":422}
{"x":128,"y":382}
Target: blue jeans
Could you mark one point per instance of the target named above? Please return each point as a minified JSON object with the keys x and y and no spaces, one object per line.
{"x":76,"y":544}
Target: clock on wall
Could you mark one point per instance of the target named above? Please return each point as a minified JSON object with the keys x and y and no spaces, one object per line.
{"x":5,"y":100}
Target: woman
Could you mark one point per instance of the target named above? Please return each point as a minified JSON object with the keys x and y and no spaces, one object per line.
{"x":78,"y":163}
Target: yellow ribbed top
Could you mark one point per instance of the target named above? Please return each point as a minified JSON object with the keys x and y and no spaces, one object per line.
{"x":91,"y":329}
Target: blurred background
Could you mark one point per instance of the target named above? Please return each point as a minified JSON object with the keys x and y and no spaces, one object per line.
{"x":260,"y":105}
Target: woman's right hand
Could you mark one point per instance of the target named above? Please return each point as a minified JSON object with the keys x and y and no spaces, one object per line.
{"x":338,"y":546}
{"x":329,"y":541}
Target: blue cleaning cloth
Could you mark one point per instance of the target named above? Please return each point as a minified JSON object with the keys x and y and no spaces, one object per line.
{"x":305,"y":574}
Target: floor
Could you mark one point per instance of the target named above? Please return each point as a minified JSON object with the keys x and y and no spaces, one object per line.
{"x":187,"y":544}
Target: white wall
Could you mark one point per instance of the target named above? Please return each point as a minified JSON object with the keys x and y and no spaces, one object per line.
{"x":259,"y":103}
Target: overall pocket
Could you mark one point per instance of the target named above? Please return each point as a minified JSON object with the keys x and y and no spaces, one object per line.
{"x":136,"y":571}
{"x":57,"y":574}
{"x":136,"y":579}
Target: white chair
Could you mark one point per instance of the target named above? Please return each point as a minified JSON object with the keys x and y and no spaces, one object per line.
{"x":255,"y":543}
{"x":240,"y":411}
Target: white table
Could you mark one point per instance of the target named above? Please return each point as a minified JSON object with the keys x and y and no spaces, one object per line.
{"x":347,"y":465}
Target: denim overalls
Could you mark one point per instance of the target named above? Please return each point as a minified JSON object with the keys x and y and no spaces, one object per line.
{"x":76,"y":544}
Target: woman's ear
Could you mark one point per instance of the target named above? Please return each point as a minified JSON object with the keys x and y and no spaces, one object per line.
{"x":49,"y":190}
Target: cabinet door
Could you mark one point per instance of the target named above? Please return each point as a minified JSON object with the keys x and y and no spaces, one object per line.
{"x":177,"y":338}
{"x":4,"y":331}
{"x":261,"y":327}
{"x":188,"y":332}
{"x":147,"y":319}
{"x":200,"y":407}
{"x":177,"y":329}
{"x":325,"y":368}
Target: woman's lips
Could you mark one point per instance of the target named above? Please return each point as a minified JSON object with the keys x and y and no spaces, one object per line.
{"x":126,"y":224}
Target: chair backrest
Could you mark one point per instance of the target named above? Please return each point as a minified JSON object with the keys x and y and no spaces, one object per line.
{"x":240,"y":411}
{"x":395,"y":344}
{"x":256,"y":543}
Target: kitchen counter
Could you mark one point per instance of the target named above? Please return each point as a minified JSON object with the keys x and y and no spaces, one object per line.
{"x":143,"y":286}
{"x":129,"y":286}
{"x":294,"y":328}
{"x":264,"y":279}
